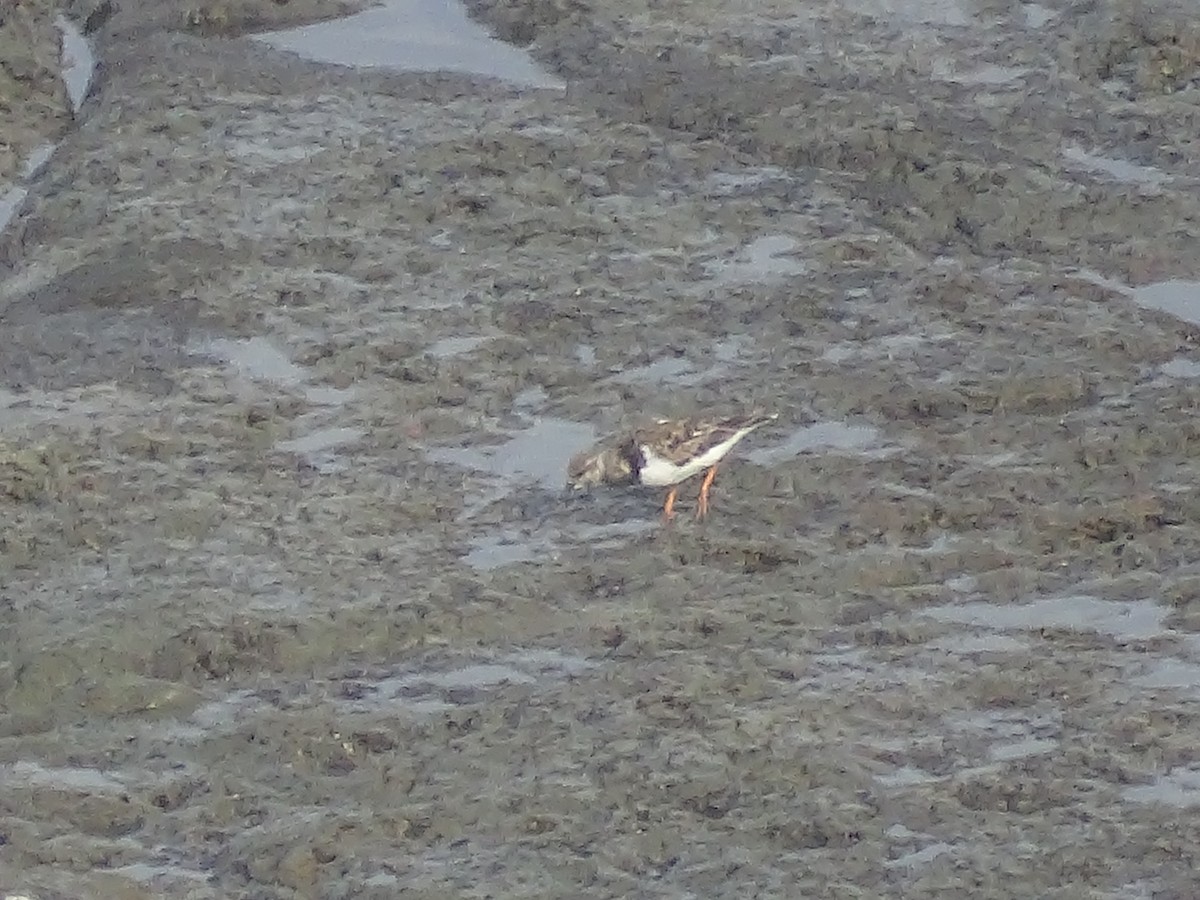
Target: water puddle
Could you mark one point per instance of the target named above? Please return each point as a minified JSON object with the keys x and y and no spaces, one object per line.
{"x":1169,"y":673}
{"x":1179,"y":788}
{"x":849,"y":667}
{"x":1093,"y":277}
{"x":78,"y":62}
{"x":426,"y":691}
{"x":261,"y":156}
{"x":1136,"y":620}
{"x":537,"y":454}
{"x":1180,"y":367}
{"x":157,"y":877}
{"x":963,"y":584}
{"x":921,"y":857}
{"x":34,"y":406}
{"x":1116,"y":169}
{"x":891,"y":347}
{"x":906,"y":776}
{"x":778,"y":61}
{"x":939,"y":546}
{"x":818,"y":437}
{"x":530,"y":400}
{"x":429,"y":692}
{"x":1022,"y":749}
{"x":1010,"y":736}
{"x":733,"y":184}
{"x":510,"y":546}
{"x":75,"y":779}
{"x":216,"y":718}
{"x":731,"y":348}
{"x":1177,"y":297}
{"x":764,"y":259}
{"x":971,"y":644}
{"x":844,"y":661}
{"x":984,"y":76}
{"x":38,"y":158}
{"x":1004,"y":736}
{"x":505,"y":548}
{"x":413,"y":36}
{"x":533,"y":457}
{"x":257,"y":359}
{"x":669,"y":368}
{"x":455,"y":346}
{"x":839,"y":353}
{"x":482,"y":675}
{"x":1038,"y":16}
{"x":983,"y":462}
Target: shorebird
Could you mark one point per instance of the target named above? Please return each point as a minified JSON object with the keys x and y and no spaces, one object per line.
{"x":665,"y":454}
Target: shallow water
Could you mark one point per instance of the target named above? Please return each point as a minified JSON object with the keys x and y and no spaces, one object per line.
{"x":1169,"y":673}
{"x":1178,"y":788}
{"x":515,"y":544}
{"x":538,"y":453}
{"x":450,"y":347}
{"x":818,"y":437}
{"x":413,"y":35}
{"x":1038,"y":16}
{"x":457,"y":703}
{"x":255,"y":358}
{"x":669,"y":368}
{"x":259,"y":360}
{"x":987,"y":75}
{"x":767,"y":258}
{"x":1118,"y":169}
{"x":80,"y":779}
{"x":1137,"y":620}
{"x":431,"y":690}
{"x":1181,"y":367}
{"x":1177,"y":298}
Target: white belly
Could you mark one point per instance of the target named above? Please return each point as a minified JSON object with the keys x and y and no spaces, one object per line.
{"x":660,"y":472}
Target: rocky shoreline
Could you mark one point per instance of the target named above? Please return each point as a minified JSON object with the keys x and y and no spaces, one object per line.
{"x":292,"y":602}
{"x":33,"y":98}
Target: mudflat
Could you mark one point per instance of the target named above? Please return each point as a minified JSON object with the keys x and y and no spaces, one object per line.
{"x":293,"y":603}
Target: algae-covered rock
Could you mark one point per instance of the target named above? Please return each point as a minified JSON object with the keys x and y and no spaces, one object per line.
{"x":34,"y":106}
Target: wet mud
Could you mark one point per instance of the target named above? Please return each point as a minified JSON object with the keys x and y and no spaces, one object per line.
{"x":293,"y":603}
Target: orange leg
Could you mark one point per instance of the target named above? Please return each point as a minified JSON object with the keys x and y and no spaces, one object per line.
{"x":702,"y":510}
{"x":669,"y":506}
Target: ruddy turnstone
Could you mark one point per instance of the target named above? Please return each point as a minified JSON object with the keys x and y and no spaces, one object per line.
{"x":664,"y":454}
